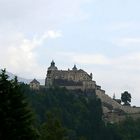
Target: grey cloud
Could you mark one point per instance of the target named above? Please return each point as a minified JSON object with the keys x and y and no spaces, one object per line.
{"x":37,"y":15}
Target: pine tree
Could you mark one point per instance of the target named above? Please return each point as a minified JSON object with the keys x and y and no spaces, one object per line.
{"x":16,"y":119}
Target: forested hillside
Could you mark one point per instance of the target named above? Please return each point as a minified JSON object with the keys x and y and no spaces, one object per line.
{"x":78,"y":112}
{"x":56,"y":114}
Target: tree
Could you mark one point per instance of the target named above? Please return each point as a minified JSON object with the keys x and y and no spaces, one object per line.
{"x":52,"y":129}
{"x":126,"y":98}
{"x":129,"y":129}
{"x":16,"y":119}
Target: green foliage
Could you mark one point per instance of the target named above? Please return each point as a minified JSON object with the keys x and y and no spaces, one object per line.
{"x":15,"y":116}
{"x":129,"y":129}
{"x":52,"y":129}
{"x":126,"y":98}
{"x":112,"y":133}
{"x":82,"y":138}
{"x":71,"y":115}
{"x":79,"y":112}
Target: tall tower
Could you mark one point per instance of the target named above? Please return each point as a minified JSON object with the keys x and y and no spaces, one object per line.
{"x":49,"y":76}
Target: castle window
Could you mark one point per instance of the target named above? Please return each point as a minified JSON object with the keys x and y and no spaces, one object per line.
{"x":48,"y":72}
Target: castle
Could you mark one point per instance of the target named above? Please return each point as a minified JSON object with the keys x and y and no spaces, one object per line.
{"x":70,"y":79}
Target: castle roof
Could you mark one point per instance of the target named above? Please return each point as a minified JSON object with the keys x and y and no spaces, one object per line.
{"x":34,"y":81}
{"x":80,"y":70}
{"x":52,"y":67}
{"x":74,"y":68}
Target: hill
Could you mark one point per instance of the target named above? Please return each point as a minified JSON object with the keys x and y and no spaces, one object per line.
{"x":24,"y":80}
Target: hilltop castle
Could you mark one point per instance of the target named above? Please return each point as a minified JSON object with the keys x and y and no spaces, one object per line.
{"x":70,"y":79}
{"x":78,"y":79}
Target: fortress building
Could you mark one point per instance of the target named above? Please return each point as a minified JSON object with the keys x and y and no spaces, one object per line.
{"x":70,"y":79}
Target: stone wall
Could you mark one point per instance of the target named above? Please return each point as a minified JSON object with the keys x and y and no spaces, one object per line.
{"x":115,"y":105}
{"x":115,"y":118}
{"x":72,"y":87}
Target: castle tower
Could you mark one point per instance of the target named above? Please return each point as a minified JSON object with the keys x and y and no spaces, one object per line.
{"x":52,"y":66}
{"x":49,"y":76}
{"x":74,"y":68}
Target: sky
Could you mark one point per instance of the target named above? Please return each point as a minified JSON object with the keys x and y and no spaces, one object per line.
{"x":99,"y":36}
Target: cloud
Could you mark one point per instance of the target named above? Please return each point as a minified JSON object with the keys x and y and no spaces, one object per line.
{"x":22,"y":24}
{"x":85,"y":58}
{"x":122,"y":26}
{"x":35,"y":16}
{"x":51,"y":34}
{"x":19,"y":54}
{"x":128,"y":42}
{"x":129,"y":62}
{"x":126,"y":62}
{"x":97,"y":59}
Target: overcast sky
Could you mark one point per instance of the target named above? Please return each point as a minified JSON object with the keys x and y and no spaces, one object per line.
{"x":99,"y":36}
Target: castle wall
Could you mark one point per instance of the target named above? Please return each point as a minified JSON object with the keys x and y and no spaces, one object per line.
{"x":72,"y":87}
{"x":115,"y":117}
{"x":131,"y":110}
{"x":115,"y":105}
{"x":89,"y":85}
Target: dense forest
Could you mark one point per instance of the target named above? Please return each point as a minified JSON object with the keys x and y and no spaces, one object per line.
{"x":56,"y":114}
